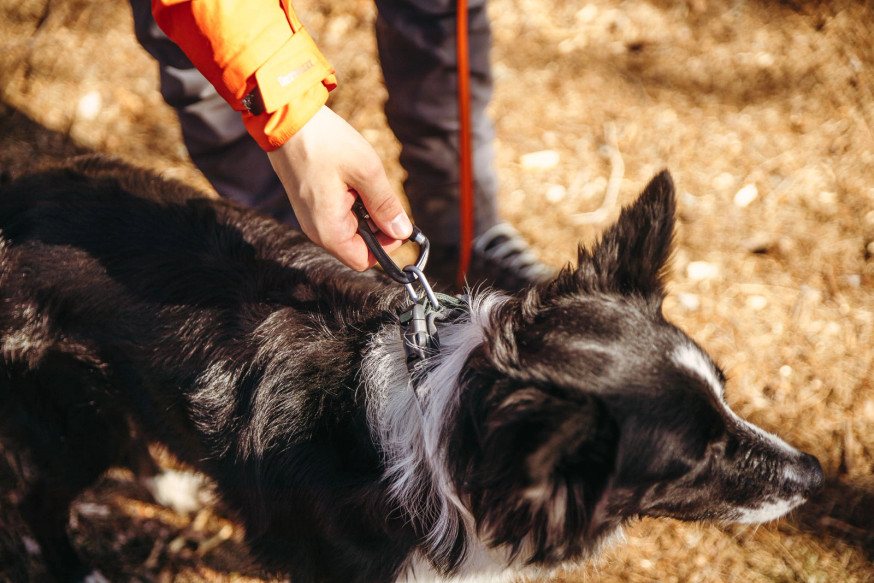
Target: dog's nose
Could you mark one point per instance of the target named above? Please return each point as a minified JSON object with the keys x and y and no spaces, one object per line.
{"x":810,"y":472}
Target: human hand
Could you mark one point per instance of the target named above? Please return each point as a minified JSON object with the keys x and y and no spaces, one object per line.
{"x":324,"y":167}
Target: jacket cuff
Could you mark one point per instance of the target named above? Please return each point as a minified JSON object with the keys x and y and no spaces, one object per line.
{"x":290,"y":87}
{"x":292,"y":71}
{"x":272,"y":129}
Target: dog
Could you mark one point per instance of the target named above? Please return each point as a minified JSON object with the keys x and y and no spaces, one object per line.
{"x":134,"y":309}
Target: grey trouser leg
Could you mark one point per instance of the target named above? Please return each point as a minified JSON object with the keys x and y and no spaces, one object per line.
{"x":214,"y":134}
{"x":416,"y":41}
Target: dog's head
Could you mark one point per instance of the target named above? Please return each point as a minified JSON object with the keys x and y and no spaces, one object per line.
{"x":585,"y":407}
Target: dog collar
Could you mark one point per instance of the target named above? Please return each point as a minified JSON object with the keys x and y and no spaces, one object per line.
{"x":419,"y":324}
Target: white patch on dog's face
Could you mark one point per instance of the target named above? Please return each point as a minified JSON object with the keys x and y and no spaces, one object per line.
{"x":768,"y":511}
{"x":691,"y":358}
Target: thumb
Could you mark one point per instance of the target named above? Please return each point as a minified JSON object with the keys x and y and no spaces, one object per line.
{"x":385,"y":208}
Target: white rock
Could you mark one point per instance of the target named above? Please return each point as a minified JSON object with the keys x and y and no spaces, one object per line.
{"x":700,"y":270}
{"x":757,"y":302}
{"x":723,"y":181}
{"x":89,"y":106}
{"x":183,"y":491}
{"x":542,"y":160}
{"x":746,"y":195}
{"x":688,"y":302}
{"x":555,"y":193}
{"x":587,"y":14}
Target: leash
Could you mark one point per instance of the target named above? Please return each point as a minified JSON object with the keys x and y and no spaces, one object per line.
{"x":465,"y":145}
{"x":418,"y":322}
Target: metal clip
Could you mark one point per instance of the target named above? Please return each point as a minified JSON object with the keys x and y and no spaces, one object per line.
{"x":390,"y":267}
{"x":418,"y":322}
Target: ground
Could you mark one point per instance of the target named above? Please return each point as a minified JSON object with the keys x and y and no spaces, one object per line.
{"x":762,"y":110}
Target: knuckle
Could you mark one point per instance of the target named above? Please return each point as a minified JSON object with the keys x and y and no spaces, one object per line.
{"x":372,"y":171}
{"x":387,"y":207}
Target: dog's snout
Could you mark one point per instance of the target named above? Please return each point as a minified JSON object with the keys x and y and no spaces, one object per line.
{"x":803,"y":475}
{"x":810,"y":472}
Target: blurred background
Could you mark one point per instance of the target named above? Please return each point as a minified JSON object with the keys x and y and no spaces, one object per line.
{"x":763,"y":110}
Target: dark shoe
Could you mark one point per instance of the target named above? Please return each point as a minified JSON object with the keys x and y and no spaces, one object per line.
{"x":500,"y":258}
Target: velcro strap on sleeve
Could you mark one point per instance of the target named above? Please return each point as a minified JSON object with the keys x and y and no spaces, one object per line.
{"x":291,"y":71}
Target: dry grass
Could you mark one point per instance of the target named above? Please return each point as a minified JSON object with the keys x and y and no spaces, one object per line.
{"x":763,"y":111}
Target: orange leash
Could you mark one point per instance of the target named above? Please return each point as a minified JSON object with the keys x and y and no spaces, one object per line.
{"x":465,"y":146}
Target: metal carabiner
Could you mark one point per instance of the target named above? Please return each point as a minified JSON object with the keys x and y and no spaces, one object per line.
{"x":391,"y":268}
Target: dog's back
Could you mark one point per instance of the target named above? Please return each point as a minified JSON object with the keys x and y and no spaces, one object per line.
{"x":132,"y":305}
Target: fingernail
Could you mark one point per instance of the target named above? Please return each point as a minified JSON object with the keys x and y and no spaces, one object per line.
{"x":400,"y":226}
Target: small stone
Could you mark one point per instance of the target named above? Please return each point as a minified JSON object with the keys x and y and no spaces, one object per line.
{"x":688,"y":302}
{"x":542,"y":160}
{"x":854,"y":280}
{"x":701,"y":270}
{"x":723,"y":181}
{"x":555,"y":193}
{"x":746,"y":195}
{"x":587,"y":14}
{"x":827,"y":198}
{"x":757,"y":302}
{"x":89,"y":106}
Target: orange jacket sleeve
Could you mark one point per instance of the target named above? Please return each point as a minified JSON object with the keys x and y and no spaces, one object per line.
{"x":241,"y":45}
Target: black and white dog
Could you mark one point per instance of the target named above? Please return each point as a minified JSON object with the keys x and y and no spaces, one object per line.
{"x":133,"y":309}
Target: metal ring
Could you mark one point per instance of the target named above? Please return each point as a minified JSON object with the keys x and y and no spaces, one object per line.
{"x":411,"y":292}
{"x":414,"y":269}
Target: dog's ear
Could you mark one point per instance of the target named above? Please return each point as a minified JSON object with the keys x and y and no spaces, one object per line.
{"x":544,"y":464}
{"x":632,"y":255}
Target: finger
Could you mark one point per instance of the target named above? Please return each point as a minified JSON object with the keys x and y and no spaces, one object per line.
{"x":355,"y":254}
{"x":388,"y":243}
{"x":348,"y":246}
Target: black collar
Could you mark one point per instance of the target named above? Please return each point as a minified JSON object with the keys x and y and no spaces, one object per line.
{"x":419,"y":327}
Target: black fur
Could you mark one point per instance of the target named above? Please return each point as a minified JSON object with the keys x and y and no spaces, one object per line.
{"x":133,"y":309}
{"x":147,"y":304}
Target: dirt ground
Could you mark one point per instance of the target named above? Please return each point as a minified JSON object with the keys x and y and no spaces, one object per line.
{"x":762,"y":110}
